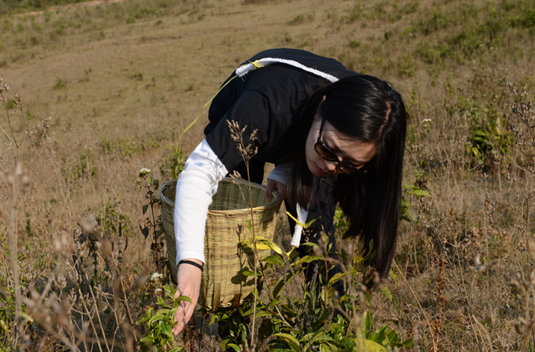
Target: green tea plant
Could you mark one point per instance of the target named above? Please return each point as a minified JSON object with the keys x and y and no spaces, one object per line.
{"x":314,"y":318}
{"x":158,"y":336}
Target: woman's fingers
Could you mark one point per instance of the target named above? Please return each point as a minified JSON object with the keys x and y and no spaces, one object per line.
{"x":275,"y":186}
{"x":269,"y":188}
{"x":183,"y":314}
{"x":182,"y":317}
{"x":179,"y":317}
{"x":189,"y":283}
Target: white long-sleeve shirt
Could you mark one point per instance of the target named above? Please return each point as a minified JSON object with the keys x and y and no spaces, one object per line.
{"x":194,"y":191}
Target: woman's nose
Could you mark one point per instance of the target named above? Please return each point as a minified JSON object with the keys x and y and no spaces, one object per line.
{"x":330,"y":165}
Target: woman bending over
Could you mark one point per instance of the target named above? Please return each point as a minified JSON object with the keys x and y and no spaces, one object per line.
{"x":336,"y":137}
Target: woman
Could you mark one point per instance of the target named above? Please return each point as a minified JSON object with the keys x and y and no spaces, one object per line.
{"x":336,"y":137}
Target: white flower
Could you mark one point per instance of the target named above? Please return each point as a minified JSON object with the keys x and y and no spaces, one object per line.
{"x":156,"y":276}
{"x":144,"y":172}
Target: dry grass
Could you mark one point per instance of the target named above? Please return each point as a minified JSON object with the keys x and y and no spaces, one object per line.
{"x":120,"y":83}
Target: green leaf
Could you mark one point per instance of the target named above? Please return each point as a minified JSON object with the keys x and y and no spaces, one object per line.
{"x":259,"y":313}
{"x":145,"y":207}
{"x":334,"y":326}
{"x":406,"y":218}
{"x":379,"y":335}
{"x":276,"y":302}
{"x":386,"y":291}
{"x":177,"y":349}
{"x":148,"y":341}
{"x":392,"y":338}
{"x":275,"y":260}
{"x":162,"y":303}
{"x":160,"y":231}
{"x":184,"y":298}
{"x":263,"y":243}
{"x":393,"y":275}
{"x":309,"y":244}
{"x":224,"y":342}
{"x":372,"y":346}
{"x":150,"y":313}
{"x":250,"y":273}
{"x":306,"y":259}
{"x":347,"y":344}
{"x":27,"y":318}
{"x":367,"y":322}
{"x":337,"y":277}
{"x":165,"y":329}
{"x":213,"y":319}
{"x":290,"y":340}
{"x":408,"y":343}
{"x":318,"y":336}
{"x":329,"y":347}
{"x":308,"y":224}
{"x":280,"y":284}
{"x":357,"y":260}
{"x":159,"y":316}
{"x":235,"y":347}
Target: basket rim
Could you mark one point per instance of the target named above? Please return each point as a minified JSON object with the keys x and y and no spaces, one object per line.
{"x":274,"y":202}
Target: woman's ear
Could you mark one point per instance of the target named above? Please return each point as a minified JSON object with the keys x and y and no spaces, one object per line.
{"x":324,"y":97}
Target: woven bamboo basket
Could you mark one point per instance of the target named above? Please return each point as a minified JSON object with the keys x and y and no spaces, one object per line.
{"x":223,"y":282}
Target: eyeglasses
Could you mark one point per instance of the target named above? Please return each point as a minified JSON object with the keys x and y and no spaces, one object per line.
{"x":326,"y":153}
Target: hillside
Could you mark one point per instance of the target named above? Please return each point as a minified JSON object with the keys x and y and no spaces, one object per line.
{"x":107,"y":88}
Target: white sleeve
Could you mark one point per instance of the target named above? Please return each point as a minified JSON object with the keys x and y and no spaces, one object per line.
{"x":194,"y":190}
{"x":281,"y":173}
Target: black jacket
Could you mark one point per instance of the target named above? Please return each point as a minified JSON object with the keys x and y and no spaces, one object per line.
{"x":268,"y":99}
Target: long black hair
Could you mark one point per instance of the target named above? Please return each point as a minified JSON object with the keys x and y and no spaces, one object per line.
{"x":369,"y":110}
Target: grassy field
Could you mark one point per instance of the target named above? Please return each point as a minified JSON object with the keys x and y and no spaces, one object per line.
{"x":106,"y":89}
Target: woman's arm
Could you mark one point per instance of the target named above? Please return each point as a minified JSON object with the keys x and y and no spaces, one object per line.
{"x":194,"y":190}
{"x":278,"y":180}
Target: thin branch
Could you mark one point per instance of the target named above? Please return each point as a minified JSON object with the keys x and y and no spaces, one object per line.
{"x":435,"y":348}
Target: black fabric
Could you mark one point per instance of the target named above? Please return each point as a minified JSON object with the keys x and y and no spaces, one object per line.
{"x":268,"y":99}
{"x":256,"y":171}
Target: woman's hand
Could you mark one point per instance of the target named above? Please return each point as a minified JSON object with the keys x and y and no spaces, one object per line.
{"x":189,"y":284}
{"x":273,"y":185}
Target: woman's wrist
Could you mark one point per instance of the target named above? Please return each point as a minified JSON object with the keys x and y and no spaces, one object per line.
{"x":193,"y":262}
